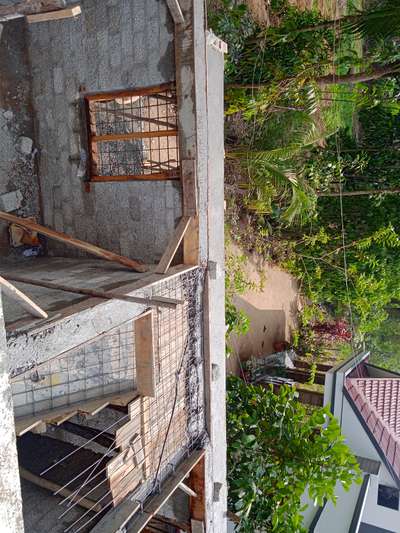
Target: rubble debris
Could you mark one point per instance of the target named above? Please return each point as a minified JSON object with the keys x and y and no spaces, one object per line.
{"x":25,"y":145}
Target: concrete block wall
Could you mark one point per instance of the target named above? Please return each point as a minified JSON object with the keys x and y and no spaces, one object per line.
{"x":114,"y":44}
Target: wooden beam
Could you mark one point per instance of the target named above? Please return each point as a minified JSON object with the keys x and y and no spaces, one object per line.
{"x":28,"y":7}
{"x":176,"y":11}
{"x":66,"y":239}
{"x":60,"y":14}
{"x":156,"y":176}
{"x":144,"y":355}
{"x":187,"y":490}
{"x":173,"y":245}
{"x":134,"y":135}
{"x":54,"y":487}
{"x":23,"y":300}
{"x":144,"y":91}
{"x":155,"y":301}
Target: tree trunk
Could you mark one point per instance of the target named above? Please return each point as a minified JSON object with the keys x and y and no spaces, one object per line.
{"x":377,"y":72}
{"x":360,"y":193}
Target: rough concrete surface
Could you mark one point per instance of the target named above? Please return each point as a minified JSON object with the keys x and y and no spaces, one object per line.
{"x":10,"y":501}
{"x":17,"y":153}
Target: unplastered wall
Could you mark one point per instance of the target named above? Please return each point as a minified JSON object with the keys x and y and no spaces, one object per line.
{"x":95,"y":369}
{"x":112,"y":45}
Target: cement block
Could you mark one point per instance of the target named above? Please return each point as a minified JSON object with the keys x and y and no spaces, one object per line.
{"x":11,"y":201}
{"x":25,"y":145}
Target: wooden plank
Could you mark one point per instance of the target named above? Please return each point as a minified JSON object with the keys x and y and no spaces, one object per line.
{"x":156,"y":301}
{"x":134,"y":135}
{"x":29,"y":7}
{"x":170,"y":486}
{"x":125,"y":434}
{"x":176,"y":11}
{"x":189,"y":186}
{"x":156,"y":176}
{"x":123,"y":475}
{"x":125,"y":398}
{"x":93,"y":407}
{"x":191,"y":243}
{"x":197,"y":526}
{"x":66,"y":239}
{"x":144,"y":355}
{"x":145,"y":433}
{"x":59,"y":415}
{"x":142,"y":91}
{"x":173,"y":245}
{"x":197,"y":483}
{"x":54,"y":487}
{"x":24,"y":301}
{"x":60,"y":14}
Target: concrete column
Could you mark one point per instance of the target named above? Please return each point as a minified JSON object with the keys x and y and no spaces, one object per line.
{"x":11,"y":518}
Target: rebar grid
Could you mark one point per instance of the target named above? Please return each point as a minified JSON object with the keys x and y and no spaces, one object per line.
{"x":134,"y":134}
{"x":160,"y":430}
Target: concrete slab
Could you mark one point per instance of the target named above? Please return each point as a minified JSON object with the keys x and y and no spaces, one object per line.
{"x":85,"y":273}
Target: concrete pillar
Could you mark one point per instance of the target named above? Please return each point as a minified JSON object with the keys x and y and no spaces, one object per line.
{"x":11,"y":518}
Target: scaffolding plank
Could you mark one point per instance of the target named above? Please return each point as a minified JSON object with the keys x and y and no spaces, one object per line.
{"x":144,"y":354}
{"x":67,"y":239}
{"x":60,"y":14}
{"x":173,"y":245}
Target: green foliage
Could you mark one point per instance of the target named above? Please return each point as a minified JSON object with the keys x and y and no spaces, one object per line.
{"x":384,"y":343}
{"x":236,"y":283}
{"x":278,"y":450}
{"x":232,"y":22}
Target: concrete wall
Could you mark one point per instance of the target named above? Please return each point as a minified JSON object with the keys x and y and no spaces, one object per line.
{"x":114,"y":44}
{"x":10,"y":501}
{"x":93,"y":274}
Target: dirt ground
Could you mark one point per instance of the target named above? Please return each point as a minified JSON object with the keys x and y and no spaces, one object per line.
{"x":272,"y":313}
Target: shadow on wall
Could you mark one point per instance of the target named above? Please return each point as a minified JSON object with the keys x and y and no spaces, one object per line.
{"x":266,"y":327}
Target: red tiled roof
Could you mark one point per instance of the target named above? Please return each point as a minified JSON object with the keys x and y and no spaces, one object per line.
{"x":378,"y":402}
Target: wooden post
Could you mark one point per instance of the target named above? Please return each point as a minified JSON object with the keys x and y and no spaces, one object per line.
{"x":66,"y":239}
{"x":144,"y":354}
{"x":173,"y":246}
{"x":25,"y":302}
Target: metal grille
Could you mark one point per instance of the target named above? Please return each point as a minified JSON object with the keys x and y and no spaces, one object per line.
{"x":133,"y":135}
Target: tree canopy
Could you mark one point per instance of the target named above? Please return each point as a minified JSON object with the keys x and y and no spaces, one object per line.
{"x":277,"y":450}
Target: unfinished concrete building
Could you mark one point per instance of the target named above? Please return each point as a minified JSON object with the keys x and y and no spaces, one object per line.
{"x":111,"y":268}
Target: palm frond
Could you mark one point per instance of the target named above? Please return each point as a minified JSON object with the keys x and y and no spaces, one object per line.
{"x":381,"y":23}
